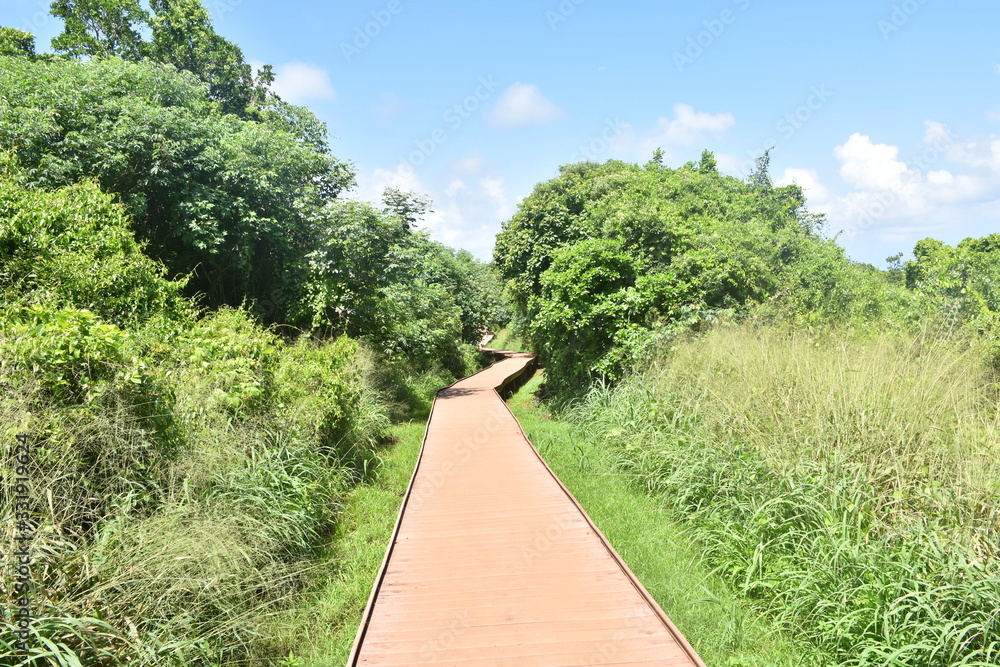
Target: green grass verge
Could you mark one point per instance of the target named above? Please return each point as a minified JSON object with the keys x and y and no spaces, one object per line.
{"x":662,"y":556}
{"x":324,"y":626}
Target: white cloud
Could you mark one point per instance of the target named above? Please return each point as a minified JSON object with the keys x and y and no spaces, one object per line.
{"x":521,"y":105}
{"x":298,"y":83}
{"x":946,"y":185}
{"x":466,"y":213}
{"x":495,"y":188}
{"x":470,"y":214}
{"x":940,"y":177}
{"x":808,"y":180}
{"x":401,"y":177}
{"x":690,"y":127}
{"x":869,"y":166}
{"x":456,"y":187}
{"x":676,"y":136}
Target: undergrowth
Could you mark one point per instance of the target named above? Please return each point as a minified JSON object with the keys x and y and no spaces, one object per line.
{"x":848,"y":486}
{"x":184,"y":477}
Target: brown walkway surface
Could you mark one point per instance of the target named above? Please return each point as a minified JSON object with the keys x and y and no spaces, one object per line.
{"x":494,"y":563}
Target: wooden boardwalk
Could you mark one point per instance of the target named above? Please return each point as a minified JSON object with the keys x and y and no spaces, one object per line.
{"x":494,"y":563}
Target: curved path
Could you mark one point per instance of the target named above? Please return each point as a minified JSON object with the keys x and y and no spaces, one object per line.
{"x":494,"y":563}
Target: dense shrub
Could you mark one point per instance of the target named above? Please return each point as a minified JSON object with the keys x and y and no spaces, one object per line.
{"x":184,"y":474}
{"x":231,"y":202}
{"x":605,"y":260}
{"x":74,"y":247}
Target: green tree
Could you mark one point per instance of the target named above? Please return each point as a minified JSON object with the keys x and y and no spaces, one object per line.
{"x":234,"y":204}
{"x":183,"y":36}
{"x":708,"y":165}
{"x":410,"y":207}
{"x":98,"y":28}
{"x":760,"y":177}
{"x":14,"y":42}
{"x":963,"y":281}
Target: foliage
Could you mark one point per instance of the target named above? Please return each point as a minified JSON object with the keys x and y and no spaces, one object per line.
{"x":74,"y":247}
{"x":325,"y":379}
{"x":846,"y":484}
{"x":184,"y":473}
{"x":410,"y":207}
{"x":181,"y":35}
{"x":372,"y":276}
{"x":99,"y":27}
{"x":594,"y":299}
{"x":607,"y":259}
{"x":964,"y":280}
{"x":184,"y":37}
{"x":14,"y":42}
{"x":232,"y":203}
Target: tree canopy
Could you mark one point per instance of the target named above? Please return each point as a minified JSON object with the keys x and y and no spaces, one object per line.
{"x":604,"y":258}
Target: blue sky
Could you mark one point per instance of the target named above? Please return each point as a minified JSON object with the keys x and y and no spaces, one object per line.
{"x":887,"y":112}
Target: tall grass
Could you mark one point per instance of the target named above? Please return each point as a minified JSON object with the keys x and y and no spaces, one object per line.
{"x":724,"y":631}
{"x":849,"y":486}
{"x":182,"y":491}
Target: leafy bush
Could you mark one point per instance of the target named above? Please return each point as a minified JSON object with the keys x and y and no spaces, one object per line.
{"x":231,"y":202}
{"x":372,"y":277}
{"x":225,"y":362}
{"x":15,"y":42}
{"x":74,"y":247}
{"x":173,"y":546}
{"x":607,"y":259}
{"x":325,"y":398}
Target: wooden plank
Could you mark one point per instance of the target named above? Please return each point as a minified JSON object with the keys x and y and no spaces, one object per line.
{"x":493,"y":562}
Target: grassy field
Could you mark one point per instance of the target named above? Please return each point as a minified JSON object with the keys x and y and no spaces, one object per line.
{"x":656,"y":548}
{"x":848,"y":486}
